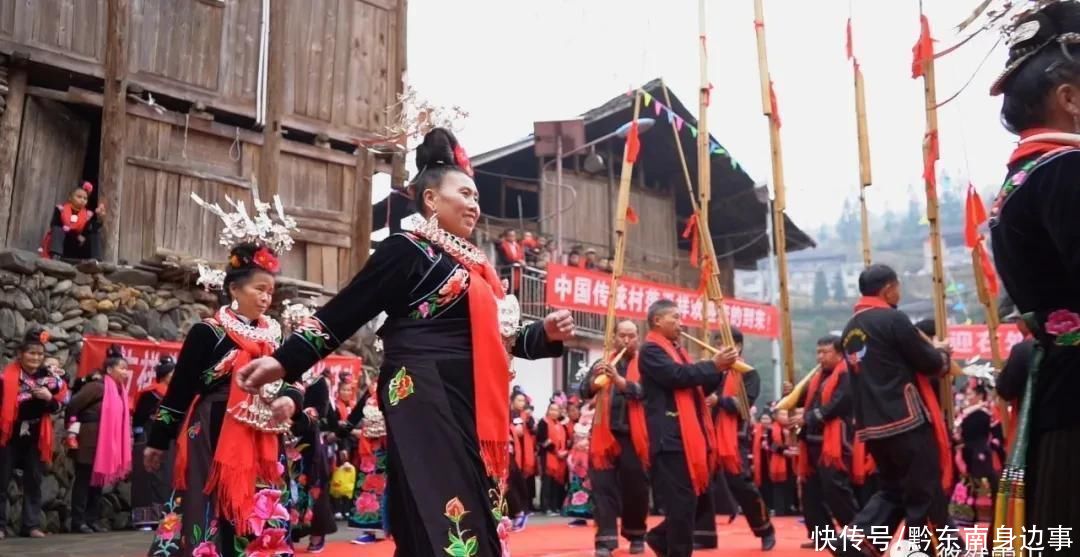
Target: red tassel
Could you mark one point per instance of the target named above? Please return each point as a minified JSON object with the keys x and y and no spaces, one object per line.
{"x":974,"y":217}
{"x":923,"y":51}
{"x":633,"y":144}
{"x":631,"y":215}
{"x":691,"y":232}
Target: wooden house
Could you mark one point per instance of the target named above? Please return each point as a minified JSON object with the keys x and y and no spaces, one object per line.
{"x":152,"y":100}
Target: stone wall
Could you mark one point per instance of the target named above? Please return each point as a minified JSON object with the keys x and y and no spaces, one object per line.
{"x":91,"y":298}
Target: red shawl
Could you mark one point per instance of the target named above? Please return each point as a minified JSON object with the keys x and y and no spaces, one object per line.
{"x":525,"y":451}
{"x":343,"y":409}
{"x":832,"y":446}
{"x":9,"y":412}
{"x":687,"y":404}
{"x":1025,"y":150}
{"x":243,"y":455}
{"x":512,"y":251}
{"x":727,"y":427}
{"x":777,"y":461}
{"x":81,"y":218}
{"x":930,"y":400}
{"x":555,"y":466}
{"x":603,"y":447}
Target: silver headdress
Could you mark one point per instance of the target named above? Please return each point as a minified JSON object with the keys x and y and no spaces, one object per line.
{"x":240,"y":227}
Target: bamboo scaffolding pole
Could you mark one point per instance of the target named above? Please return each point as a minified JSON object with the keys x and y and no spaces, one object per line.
{"x":941,"y":313}
{"x":780,"y":197}
{"x":865,"y":175}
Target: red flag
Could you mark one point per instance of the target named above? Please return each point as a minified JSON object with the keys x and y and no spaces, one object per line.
{"x":633,"y":145}
{"x":974,"y":217}
{"x":988,"y":270}
{"x":691,"y":232}
{"x":631,"y":215}
{"x":774,"y":107}
{"x":850,"y":48}
{"x":923,"y":49}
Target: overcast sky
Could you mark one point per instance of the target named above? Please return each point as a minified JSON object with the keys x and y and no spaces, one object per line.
{"x":511,"y":62}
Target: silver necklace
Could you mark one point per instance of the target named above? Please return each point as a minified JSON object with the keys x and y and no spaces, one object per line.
{"x":458,"y":248}
{"x":270,"y":334}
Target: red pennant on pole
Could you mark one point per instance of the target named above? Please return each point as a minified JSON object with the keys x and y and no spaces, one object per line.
{"x":691,"y":232}
{"x":774,"y":106}
{"x":631,"y":215}
{"x":974,"y":217}
{"x":988,"y":270}
{"x":923,"y":49}
{"x":633,"y":145}
{"x":850,"y":47}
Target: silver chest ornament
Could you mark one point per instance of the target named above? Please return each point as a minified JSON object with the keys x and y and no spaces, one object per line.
{"x":509,"y":319}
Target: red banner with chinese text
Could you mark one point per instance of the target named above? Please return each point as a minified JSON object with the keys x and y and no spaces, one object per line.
{"x":143,"y":355}
{"x":973,"y":341}
{"x":580,"y":290}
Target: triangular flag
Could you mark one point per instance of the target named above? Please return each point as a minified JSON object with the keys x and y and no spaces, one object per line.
{"x":923,"y":50}
{"x":850,"y":48}
{"x":671,"y":116}
{"x":631,"y":215}
{"x":974,"y":217}
{"x":678,"y":122}
{"x":658,"y":107}
{"x":633,"y":145}
{"x":648,"y":98}
{"x":693,"y":131}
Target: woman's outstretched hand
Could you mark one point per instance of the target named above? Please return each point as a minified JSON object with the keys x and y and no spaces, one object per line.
{"x":559,"y":325}
{"x":259,"y":372}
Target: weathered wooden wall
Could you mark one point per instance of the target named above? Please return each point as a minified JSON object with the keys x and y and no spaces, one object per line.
{"x":165,"y":165}
{"x":346,"y":57}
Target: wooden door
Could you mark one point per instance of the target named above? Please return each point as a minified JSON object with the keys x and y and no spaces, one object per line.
{"x":52,"y":150}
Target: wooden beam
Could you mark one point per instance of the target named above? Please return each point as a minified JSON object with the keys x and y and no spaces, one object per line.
{"x":10,"y":130}
{"x":321,"y":214}
{"x":189,"y":171}
{"x":323,"y":238}
{"x":114,"y":122}
{"x":73,"y":95}
{"x":362,"y":217}
{"x":321,"y":225}
{"x":277,"y":74}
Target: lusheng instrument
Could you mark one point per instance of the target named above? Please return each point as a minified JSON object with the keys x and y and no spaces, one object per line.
{"x":602,"y":380}
{"x":954,"y":368}
{"x":790,"y":401}
{"x":740,"y":367}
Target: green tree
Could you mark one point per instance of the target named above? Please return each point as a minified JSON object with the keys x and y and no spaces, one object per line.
{"x":839,"y":292}
{"x":821,"y":288}
{"x":848,"y":228}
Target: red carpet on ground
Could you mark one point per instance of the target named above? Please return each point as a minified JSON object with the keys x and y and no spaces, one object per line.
{"x":559,"y":540}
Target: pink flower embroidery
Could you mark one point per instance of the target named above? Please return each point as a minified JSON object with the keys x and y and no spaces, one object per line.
{"x":454,"y":286}
{"x":269,"y":543}
{"x":1062,"y":322}
{"x":205,"y":549}
{"x":169,"y":527}
{"x":367,"y":464}
{"x":267,"y":507}
{"x":504,"y":536}
{"x":367,"y":503}
{"x":280,"y":469}
{"x":424,"y":309}
{"x":1019,"y":178}
{"x":579,"y":498}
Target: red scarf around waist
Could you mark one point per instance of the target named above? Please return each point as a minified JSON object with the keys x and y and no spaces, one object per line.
{"x":554,"y":465}
{"x":9,"y":412}
{"x":603,"y":448}
{"x":696,"y":432}
{"x":930,"y":401}
{"x":727,"y":427}
{"x":832,"y":445}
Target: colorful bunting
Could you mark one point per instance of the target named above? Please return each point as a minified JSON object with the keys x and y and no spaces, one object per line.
{"x":679,"y":122}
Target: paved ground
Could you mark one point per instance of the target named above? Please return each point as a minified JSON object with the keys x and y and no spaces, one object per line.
{"x":128,"y":544}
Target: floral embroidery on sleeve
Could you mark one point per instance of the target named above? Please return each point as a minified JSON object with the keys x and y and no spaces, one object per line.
{"x":1065,"y":326}
{"x":451,"y":290}
{"x":401,"y":387}
{"x":461,"y":544}
{"x":220,"y":369}
{"x":315,"y":334}
{"x":167,"y":415}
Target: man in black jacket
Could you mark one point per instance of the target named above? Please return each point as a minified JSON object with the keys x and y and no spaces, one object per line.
{"x":621,"y":484}
{"x":896,"y":412}
{"x":680,"y":429}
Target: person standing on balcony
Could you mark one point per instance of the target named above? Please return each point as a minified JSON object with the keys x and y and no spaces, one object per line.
{"x":445,"y":372}
{"x":511,"y":258}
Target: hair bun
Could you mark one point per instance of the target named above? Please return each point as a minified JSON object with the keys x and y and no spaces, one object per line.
{"x":437,"y":149}
{"x":242,"y":256}
{"x":113,"y":351}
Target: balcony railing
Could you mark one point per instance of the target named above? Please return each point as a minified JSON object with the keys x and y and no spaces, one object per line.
{"x":532,"y":295}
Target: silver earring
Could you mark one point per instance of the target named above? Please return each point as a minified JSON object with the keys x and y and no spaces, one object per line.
{"x":235,"y":306}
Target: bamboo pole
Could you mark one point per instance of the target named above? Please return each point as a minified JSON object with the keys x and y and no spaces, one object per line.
{"x":941,"y":313}
{"x":620,"y":237}
{"x":865,"y":176}
{"x":992,"y":323}
{"x":780,"y":197}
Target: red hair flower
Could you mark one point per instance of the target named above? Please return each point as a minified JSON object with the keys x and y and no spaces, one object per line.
{"x":462,"y":160}
{"x":266,"y":260}
{"x":88,"y":187}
